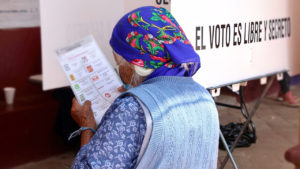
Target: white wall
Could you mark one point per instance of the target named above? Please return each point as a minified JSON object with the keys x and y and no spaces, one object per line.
{"x":294,"y":62}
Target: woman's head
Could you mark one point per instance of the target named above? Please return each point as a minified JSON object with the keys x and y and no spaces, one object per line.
{"x":152,"y":43}
{"x":130,"y":73}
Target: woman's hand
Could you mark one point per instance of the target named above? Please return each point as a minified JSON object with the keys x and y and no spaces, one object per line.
{"x":83,"y":115}
{"x":121,"y":89}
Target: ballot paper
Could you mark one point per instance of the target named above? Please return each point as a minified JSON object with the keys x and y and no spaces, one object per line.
{"x":90,"y":74}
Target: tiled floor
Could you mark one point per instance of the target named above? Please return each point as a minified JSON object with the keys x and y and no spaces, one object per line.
{"x":277,"y":129}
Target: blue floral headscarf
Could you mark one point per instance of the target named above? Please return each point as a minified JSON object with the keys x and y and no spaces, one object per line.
{"x":150,"y":37}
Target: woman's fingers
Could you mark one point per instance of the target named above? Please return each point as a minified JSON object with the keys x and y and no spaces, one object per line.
{"x":74,"y":100}
{"x":83,"y":114}
{"x":75,"y":105}
{"x":86,"y":106}
{"x":121,"y":89}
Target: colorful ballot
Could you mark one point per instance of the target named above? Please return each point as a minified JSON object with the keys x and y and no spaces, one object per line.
{"x":90,"y":75}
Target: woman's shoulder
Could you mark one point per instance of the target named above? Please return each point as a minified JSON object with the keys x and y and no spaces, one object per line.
{"x":125,"y":107}
{"x":126,"y":102}
{"x":125,"y":98}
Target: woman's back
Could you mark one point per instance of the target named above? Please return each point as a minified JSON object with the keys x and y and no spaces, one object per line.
{"x":185,"y":122}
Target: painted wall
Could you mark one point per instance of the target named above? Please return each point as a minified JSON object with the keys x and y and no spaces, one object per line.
{"x":34,"y":112}
{"x":20,"y":57}
{"x":294,"y":62}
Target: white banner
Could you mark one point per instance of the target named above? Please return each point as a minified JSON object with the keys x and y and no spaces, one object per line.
{"x":19,"y":13}
{"x":236,"y":40}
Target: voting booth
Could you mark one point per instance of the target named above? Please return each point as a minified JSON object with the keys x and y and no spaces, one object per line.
{"x":237,"y":40}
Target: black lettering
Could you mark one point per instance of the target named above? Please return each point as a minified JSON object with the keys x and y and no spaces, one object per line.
{"x":279,"y":30}
{"x":273,"y":29}
{"x":251,"y":33}
{"x":256,"y":32}
{"x":197,"y":38}
{"x":222,"y":27}
{"x":265,"y":26}
{"x":276,"y":28}
{"x":282,"y":27}
{"x":198,"y":47}
{"x":211,"y":35}
{"x":217,"y":36}
{"x":288,"y":25}
{"x":227,"y":35}
{"x":270,"y":29}
{"x":203,"y":47}
{"x":234,"y":34}
{"x":245,"y":39}
{"x":158,"y":2}
{"x":259,"y":31}
{"x":240,"y":35}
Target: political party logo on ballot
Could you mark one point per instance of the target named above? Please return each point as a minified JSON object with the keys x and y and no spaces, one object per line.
{"x":81,"y":97}
{"x":95,"y":78}
{"x":72,"y":77}
{"x":90,"y":68}
{"x":77,"y":87}
{"x":108,"y":95}
{"x":90,"y":75}
{"x":67,"y":67}
{"x":84,"y":59}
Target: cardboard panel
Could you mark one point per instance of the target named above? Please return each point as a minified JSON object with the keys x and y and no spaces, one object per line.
{"x":75,"y":19}
{"x":236,"y":40}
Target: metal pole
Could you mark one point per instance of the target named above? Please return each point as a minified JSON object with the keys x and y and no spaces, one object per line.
{"x":257,"y":103}
{"x":228,"y":151}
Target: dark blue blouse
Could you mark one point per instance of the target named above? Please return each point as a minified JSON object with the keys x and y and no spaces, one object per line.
{"x":118,"y":140}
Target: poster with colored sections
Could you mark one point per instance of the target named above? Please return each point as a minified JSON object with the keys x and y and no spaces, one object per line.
{"x":90,"y":75}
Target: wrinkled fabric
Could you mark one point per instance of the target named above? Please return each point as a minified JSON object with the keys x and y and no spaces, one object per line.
{"x":185,"y":124}
{"x":150,"y":37}
{"x":183,"y":107}
{"x":118,"y":140}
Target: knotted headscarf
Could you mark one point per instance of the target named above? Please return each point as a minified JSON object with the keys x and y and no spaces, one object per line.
{"x":150,"y":37}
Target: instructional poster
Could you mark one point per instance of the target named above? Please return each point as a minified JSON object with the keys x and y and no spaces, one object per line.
{"x":19,"y":13}
{"x":90,"y":75}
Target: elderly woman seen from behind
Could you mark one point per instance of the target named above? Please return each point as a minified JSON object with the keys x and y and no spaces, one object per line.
{"x":165,"y":120}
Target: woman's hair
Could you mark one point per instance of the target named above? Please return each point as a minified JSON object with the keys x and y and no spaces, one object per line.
{"x":139,"y":73}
